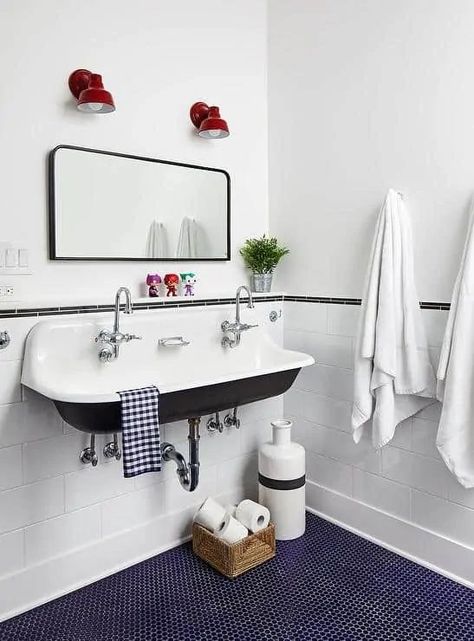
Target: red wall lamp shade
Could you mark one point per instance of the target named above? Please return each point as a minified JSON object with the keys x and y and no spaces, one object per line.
{"x":89,"y":91}
{"x":208,"y":121}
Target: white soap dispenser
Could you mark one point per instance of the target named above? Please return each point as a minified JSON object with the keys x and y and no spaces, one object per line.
{"x":281,"y":481}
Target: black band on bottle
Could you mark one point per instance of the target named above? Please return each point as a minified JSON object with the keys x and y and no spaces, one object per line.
{"x":275,"y":484}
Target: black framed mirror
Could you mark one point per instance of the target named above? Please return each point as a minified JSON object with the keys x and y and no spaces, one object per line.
{"x":106,"y":205}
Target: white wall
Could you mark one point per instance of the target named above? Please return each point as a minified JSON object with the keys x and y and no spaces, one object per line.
{"x":157,"y":58}
{"x":64,"y":524}
{"x":402,"y":495}
{"x":365,"y":95}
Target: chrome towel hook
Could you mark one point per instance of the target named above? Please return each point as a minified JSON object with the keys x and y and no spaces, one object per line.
{"x":5,"y":340}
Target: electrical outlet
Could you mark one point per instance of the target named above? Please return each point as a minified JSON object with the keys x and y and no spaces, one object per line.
{"x":6,"y":291}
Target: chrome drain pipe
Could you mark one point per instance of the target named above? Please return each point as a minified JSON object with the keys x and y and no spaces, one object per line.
{"x":188,"y":473}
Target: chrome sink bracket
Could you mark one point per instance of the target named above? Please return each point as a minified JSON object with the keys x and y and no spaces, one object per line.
{"x":188,"y":473}
{"x":112,"y":449}
{"x":89,"y":454}
{"x":214,"y":424}
{"x":231,"y":419}
{"x":4,"y":340}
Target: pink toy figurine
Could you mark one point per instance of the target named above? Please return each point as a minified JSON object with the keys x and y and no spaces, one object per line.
{"x":153,"y":281}
{"x":189,"y":280}
{"x":171,"y":281}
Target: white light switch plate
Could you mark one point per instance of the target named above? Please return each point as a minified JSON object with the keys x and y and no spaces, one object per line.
{"x":14,"y":260}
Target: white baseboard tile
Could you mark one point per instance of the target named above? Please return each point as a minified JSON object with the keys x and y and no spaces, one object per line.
{"x":427,"y":548}
{"x":43,"y":582}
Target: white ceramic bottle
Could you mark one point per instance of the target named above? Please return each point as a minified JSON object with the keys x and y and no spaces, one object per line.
{"x":281,"y":476}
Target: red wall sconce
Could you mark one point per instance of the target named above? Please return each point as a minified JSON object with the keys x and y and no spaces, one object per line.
{"x":208,"y":121}
{"x":89,"y":91}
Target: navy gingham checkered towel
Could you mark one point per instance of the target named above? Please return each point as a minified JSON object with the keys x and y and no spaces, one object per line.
{"x":140,"y":431}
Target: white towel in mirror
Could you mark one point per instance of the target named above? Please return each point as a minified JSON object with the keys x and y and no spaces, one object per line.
{"x":156,"y":245}
{"x":188,"y":239}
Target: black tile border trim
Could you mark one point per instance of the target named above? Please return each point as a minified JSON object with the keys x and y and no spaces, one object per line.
{"x":25,"y":312}
{"x":357,"y":301}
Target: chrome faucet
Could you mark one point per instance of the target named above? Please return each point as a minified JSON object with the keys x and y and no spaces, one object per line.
{"x":128,"y":306}
{"x":237,"y":327}
{"x":111,"y":340}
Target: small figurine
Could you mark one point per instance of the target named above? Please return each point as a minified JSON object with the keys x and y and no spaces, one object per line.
{"x":153,"y":281}
{"x":189,"y":280}
{"x":171,"y":281}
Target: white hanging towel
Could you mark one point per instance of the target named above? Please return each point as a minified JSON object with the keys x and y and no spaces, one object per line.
{"x":188,"y":239}
{"x":393,"y":375}
{"x":455,"y":440}
{"x":156,"y":245}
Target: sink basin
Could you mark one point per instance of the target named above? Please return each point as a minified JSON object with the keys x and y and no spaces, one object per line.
{"x":61,"y":362}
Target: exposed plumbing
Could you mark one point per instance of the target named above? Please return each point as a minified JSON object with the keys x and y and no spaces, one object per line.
{"x":231,"y":419}
{"x":112,"y":449}
{"x":89,"y":454}
{"x":188,"y":473}
{"x":214,"y":424}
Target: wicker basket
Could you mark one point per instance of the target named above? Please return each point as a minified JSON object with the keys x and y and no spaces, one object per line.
{"x":232,"y":560}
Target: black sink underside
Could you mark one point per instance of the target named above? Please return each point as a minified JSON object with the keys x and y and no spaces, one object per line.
{"x":176,"y":406}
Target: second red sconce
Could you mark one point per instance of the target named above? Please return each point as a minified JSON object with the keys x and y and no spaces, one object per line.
{"x":208,"y":121}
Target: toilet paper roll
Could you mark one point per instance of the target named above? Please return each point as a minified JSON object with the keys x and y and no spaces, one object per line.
{"x":230,"y":509}
{"x":254,"y":516}
{"x":231,"y":530}
{"x":210,"y":515}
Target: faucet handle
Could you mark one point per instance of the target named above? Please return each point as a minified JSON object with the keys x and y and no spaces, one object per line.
{"x":103,"y":337}
{"x":132,"y":337}
{"x":245,"y":326}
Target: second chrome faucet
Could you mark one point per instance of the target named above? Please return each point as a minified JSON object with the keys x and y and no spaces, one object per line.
{"x":233,"y":331}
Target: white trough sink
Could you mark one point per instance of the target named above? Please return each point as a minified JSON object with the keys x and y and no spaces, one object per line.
{"x":61,"y":362}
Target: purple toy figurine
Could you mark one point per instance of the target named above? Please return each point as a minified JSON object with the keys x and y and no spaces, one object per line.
{"x":153,"y":281}
{"x":189,"y":280}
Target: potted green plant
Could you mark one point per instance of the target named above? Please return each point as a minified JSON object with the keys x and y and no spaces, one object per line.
{"x":261,"y":256}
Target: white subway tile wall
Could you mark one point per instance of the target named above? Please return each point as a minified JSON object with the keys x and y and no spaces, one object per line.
{"x":406,"y":479}
{"x":52,"y":505}
{"x":59,"y":535}
{"x":12,"y":552}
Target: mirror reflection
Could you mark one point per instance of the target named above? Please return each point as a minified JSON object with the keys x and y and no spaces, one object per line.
{"x":107,"y":206}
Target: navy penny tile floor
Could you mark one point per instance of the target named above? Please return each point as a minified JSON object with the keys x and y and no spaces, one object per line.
{"x":329,"y":585}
